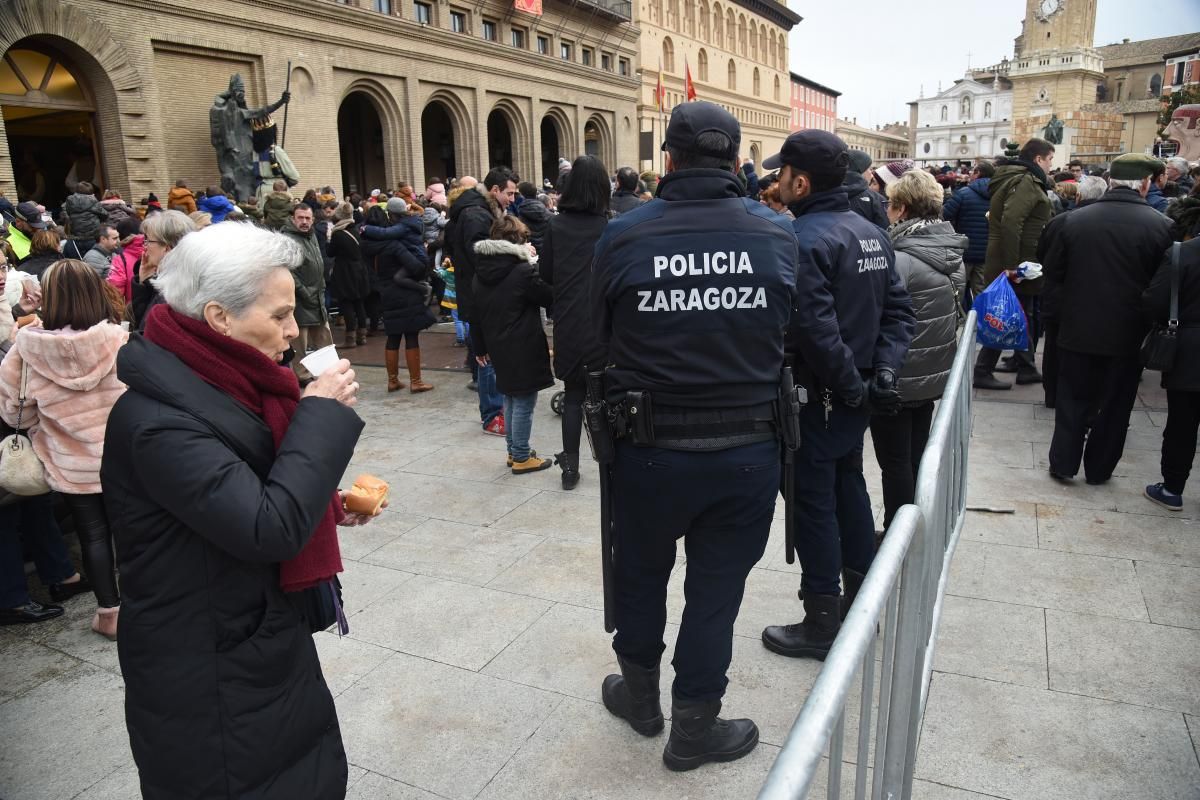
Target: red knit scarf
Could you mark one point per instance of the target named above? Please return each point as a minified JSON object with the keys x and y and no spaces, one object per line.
{"x":272,"y":393}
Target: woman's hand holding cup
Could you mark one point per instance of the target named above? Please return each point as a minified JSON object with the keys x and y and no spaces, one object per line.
{"x":336,"y":383}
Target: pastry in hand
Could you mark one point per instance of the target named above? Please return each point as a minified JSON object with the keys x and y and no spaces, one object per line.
{"x":366,"y":496}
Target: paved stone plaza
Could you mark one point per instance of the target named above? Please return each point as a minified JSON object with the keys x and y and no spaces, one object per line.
{"x":1067,"y":662}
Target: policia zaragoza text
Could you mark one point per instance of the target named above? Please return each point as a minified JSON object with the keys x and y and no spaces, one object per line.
{"x":710,"y":299}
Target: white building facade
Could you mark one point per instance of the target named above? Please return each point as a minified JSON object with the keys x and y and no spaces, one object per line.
{"x":968,"y":121}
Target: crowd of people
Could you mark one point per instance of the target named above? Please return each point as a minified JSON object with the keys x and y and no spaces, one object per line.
{"x":136,"y":339}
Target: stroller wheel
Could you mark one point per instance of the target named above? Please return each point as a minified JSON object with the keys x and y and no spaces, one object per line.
{"x":556,"y":402}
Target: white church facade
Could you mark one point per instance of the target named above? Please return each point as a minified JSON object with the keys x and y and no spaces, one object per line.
{"x":970,"y":120}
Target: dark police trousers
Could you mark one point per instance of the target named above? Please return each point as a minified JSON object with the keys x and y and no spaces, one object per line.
{"x":1095,"y":397}
{"x":835,"y":527}
{"x":721,"y":504}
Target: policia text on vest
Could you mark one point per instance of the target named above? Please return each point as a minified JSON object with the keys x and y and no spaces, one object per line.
{"x":712,"y":298}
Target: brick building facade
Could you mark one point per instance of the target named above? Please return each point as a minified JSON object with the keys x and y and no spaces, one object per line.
{"x":813,"y":105}
{"x":381,"y":91}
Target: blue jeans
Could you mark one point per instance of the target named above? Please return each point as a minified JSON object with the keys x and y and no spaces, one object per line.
{"x":34,"y":518}
{"x":518,"y":422}
{"x":461,"y":329}
{"x":491,"y":402}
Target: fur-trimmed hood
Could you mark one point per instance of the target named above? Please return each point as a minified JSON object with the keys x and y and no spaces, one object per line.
{"x":76,"y":360}
{"x":496,"y":258}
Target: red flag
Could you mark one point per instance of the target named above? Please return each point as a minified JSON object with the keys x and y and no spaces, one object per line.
{"x":528,"y":6}
{"x":660,"y":91}
{"x":689,"y":88}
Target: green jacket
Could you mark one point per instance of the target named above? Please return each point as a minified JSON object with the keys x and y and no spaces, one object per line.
{"x":1019,"y":210}
{"x":309,"y":277}
{"x":276,"y":208}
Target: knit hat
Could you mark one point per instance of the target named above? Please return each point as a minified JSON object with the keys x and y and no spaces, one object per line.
{"x":397,"y":205}
{"x":890,"y":172}
{"x":1134,"y":167}
{"x":860,"y":161}
{"x":1012,"y":150}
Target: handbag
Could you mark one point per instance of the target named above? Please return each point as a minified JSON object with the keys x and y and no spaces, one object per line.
{"x":1162,"y":342}
{"x":21,"y":471}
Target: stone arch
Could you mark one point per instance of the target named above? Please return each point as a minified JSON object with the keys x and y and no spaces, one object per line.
{"x":753,"y":40}
{"x":782,"y":62}
{"x":392,"y":137}
{"x":718,"y":26}
{"x":447,"y":155}
{"x":556,"y":129}
{"x":702,"y":65}
{"x":730,"y":31}
{"x":109,"y":74}
{"x":598,"y":130}
{"x":757,"y":83}
{"x":518,"y":127}
{"x":668,"y":54}
{"x":742,"y":44}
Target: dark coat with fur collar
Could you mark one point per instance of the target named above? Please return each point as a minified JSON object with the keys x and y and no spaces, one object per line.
{"x":507,"y":323}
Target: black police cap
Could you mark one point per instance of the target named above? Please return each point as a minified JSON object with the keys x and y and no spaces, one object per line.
{"x":814,"y":152}
{"x":689,"y":120}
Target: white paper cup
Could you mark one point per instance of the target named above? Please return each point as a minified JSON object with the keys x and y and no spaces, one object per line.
{"x":321,"y":360}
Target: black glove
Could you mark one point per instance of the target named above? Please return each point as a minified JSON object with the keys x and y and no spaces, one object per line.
{"x":883,"y":394}
{"x":285,"y":98}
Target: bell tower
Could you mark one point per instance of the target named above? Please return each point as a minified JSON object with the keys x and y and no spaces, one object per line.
{"x":1055,"y":69}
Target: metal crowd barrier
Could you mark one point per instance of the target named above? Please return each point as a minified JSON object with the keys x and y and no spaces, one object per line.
{"x":902,"y":596}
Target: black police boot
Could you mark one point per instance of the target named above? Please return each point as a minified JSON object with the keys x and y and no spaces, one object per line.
{"x":811,"y":638}
{"x":699,"y":736}
{"x":633,"y":696}
{"x":570,"y":469}
{"x":851,"y":582}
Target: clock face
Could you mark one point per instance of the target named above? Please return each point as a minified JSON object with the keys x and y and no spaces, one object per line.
{"x":1048,"y":8}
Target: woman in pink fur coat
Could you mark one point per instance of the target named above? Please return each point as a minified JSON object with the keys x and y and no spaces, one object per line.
{"x":73,"y":384}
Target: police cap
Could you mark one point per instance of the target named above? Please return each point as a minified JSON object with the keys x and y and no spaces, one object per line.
{"x":689,"y":120}
{"x":817,"y":153}
{"x":1134,"y":167}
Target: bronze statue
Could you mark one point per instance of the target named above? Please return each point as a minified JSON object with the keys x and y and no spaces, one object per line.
{"x":230,"y":124}
{"x":1053,"y":131}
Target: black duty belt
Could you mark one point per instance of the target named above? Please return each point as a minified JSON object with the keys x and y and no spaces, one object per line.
{"x":682,"y":428}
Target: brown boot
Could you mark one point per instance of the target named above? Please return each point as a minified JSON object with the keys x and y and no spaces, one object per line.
{"x":362,"y":336}
{"x":413,"y":357}
{"x":391,"y":359}
{"x":348,"y":343}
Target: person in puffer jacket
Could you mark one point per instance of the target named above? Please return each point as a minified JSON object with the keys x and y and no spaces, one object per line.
{"x":84,"y":214}
{"x":929,"y":259}
{"x":967,"y":211}
{"x":216,"y":204}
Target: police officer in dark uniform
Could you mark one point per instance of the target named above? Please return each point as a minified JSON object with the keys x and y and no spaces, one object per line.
{"x":848,"y":338}
{"x":692,"y":293}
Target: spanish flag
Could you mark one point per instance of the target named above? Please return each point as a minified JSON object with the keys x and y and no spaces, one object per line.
{"x":660,"y":91}
{"x":689,"y":88}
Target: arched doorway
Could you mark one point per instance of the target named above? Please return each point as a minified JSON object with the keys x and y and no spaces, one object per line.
{"x":360,"y":145}
{"x":592,"y":140}
{"x":437,"y":141}
{"x":500,"y":140}
{"x":755,"y":154}
{"x":551,"y":151}
{"x":50,"y":122}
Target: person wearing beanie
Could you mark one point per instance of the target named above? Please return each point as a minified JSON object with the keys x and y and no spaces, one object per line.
{"x":864,"y":202}
{"x":1101,"y":259}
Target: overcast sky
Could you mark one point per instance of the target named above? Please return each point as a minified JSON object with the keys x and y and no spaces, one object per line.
{"x":878,"y":54}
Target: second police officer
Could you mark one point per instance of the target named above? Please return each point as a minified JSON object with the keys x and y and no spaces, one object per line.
{"x":692,"y":293}
{"x":847,"y":339}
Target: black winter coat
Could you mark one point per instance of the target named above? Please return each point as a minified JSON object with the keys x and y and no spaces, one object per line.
{"x":566,"y":264}
{"x":537,"y":218}
{"x":36,"y":263}
{"x":471,"y":218}
{"x":967,"y":211}
{"x":863,"y":201}
{"x":349,"y":280}
{"x":404,"y":307}
{"x":1096,"y":266}
{"x":508,"y":322}
{"x":224,"y":696}
{"x":623,"y":201}
{"x":1156,"y":301}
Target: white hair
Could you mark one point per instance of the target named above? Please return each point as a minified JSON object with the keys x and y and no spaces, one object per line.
{"x":1091,"y":188}
{"x":227,"y":264}
{"x":1135,"y":185}
{"x":1179,"y":163}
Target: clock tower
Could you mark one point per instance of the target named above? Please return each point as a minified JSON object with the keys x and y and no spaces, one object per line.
{"x":1055,"y":69}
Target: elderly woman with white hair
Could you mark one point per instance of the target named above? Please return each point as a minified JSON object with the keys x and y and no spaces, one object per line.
{"x":220,"y":481}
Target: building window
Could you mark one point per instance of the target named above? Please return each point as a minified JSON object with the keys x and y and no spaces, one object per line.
{"x":776,"y":88}
{"x":606,"y":62}
{"x":543,"y":45}
{"x":730,"y":31}
{"x":564,"y":51}
{"x":757,"y":83}
{"x":1178,"y":80}
{"x":518,"y":38}
{"x":588,"y":57}
{"x":382,"y":6}
{"x":945,"y":113}
{"x":623,"y":67}
{"x":489,"y":30}
{"x":965,"y":108}
{"x":732,"y":75}
{"x":458,"y":22}
{"x":703,"y":19}
{"x":668,"y":55}
{"x":423,"y":13}
{"x":1155,"y":85}
{"x":702,"y":64}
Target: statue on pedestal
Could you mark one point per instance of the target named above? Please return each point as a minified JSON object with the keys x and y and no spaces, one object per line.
{"x":231,"y":126}
{"x":1053,"y":132}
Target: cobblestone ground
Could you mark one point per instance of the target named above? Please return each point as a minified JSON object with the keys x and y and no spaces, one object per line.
{"x":1066,"y":665}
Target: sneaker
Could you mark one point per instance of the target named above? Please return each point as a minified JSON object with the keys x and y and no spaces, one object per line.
{"x":1157,"y":493}
{"x":531,"y":464}
{"x":989,"y":381}
{"x":532,"y":454}
{"x":496,"y":426}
